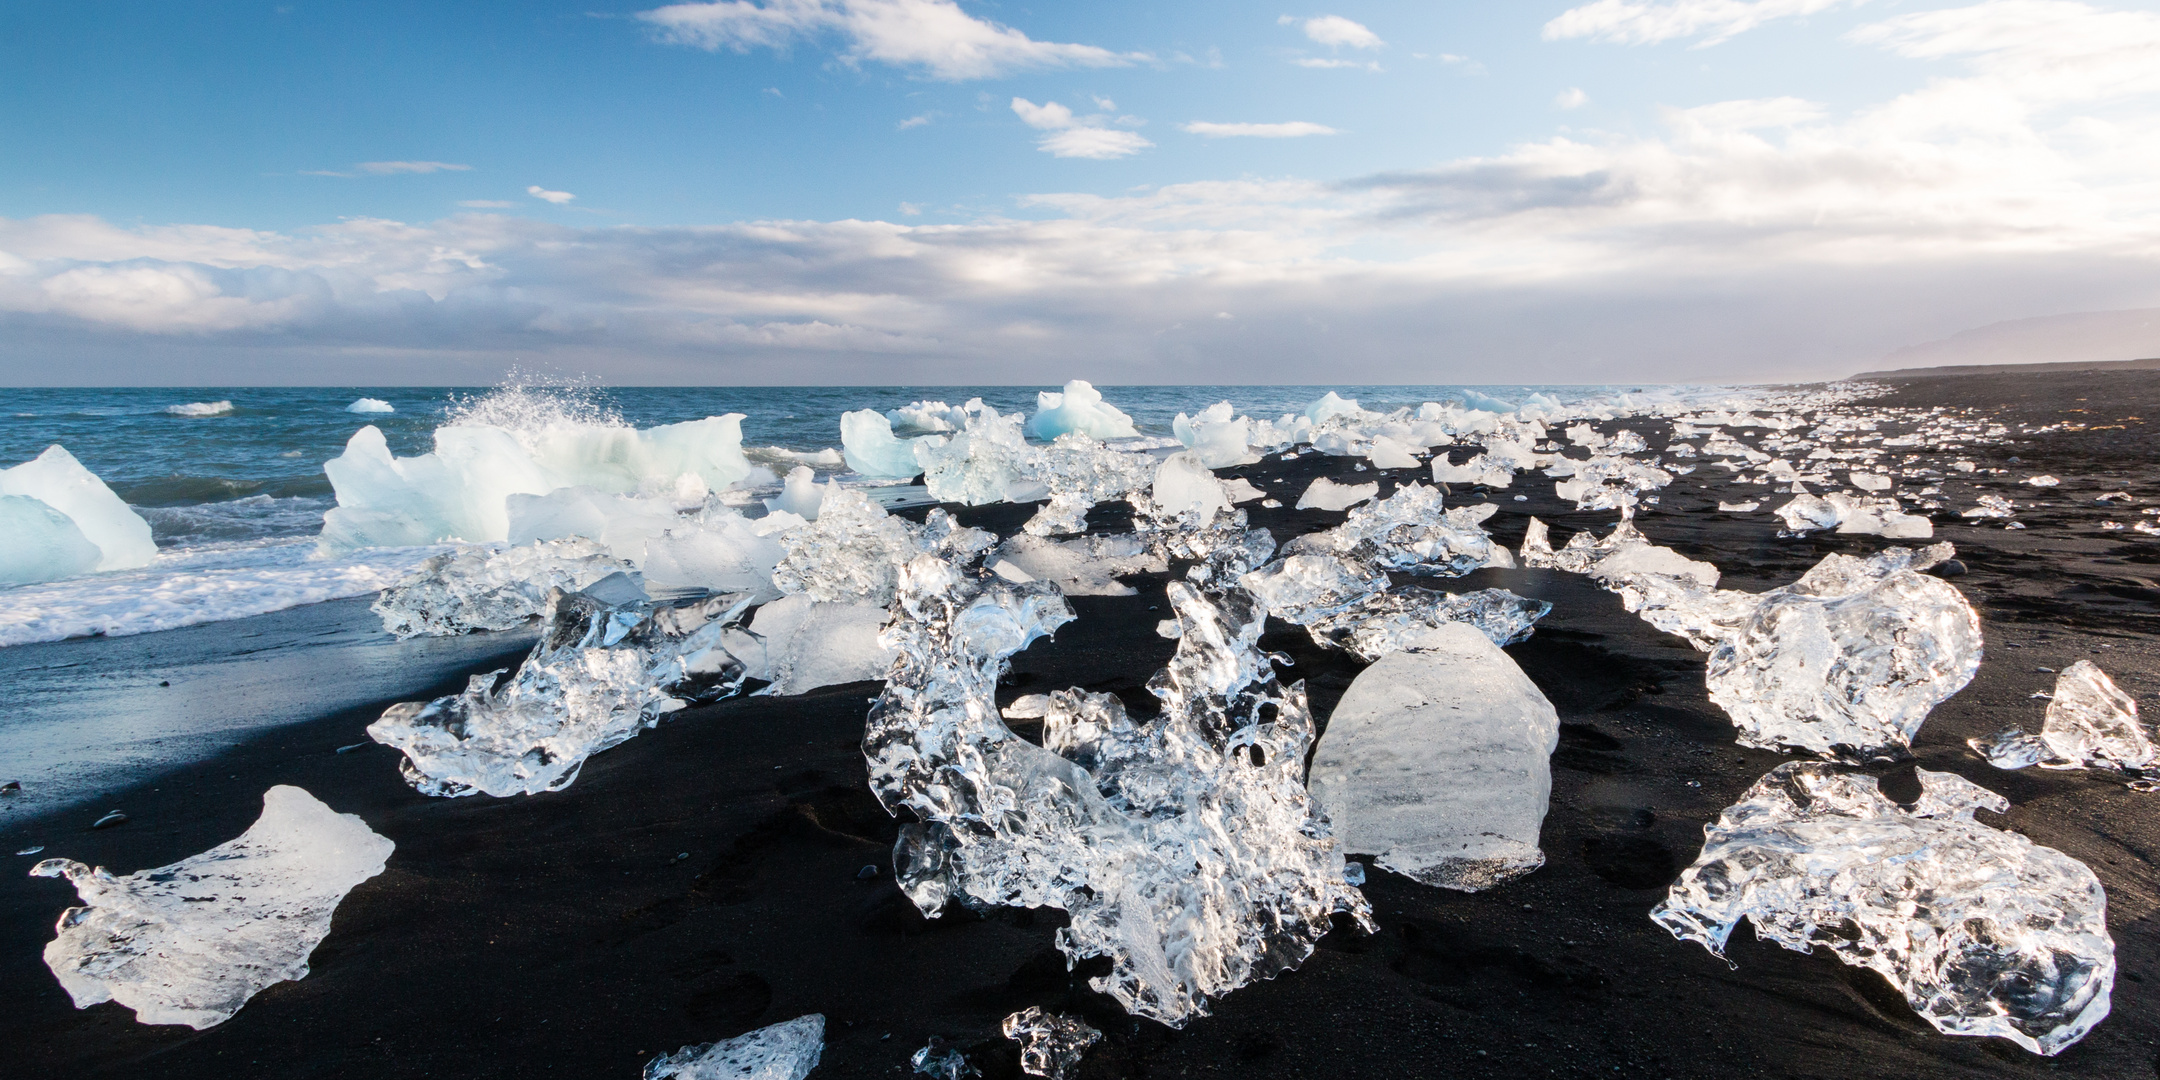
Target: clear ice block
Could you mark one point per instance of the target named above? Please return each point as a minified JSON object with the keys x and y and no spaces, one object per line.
{"x":783,"y":1051}
{"x":481,"y":588}
{"x":1050,"y":1044}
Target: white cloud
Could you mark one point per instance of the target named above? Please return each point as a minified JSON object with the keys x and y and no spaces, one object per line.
{"x":1571,"y":98}
{"x":934,"y":37}
{"x":486,"y":204}
{"x":544,"y":195}
{"x":1627,"y":22}
{"x":915,"y":121}
{"x":1287,"y":130}
{"x":1077,"y":136}
{"x":1331,"y":62}
{"x":392,"y":168}
{"x":909,"y":209}
{"x":1335,"y":31}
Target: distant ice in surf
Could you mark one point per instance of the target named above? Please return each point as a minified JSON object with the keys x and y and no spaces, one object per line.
{"x":200,"y":408}
{"x":371,"y":405}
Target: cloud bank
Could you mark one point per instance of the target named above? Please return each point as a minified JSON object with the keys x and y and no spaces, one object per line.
{"x":935,"y":38}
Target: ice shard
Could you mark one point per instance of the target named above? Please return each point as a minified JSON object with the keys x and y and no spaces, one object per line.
{"x":1219,"y":545}
{"x":1186,"y":850}
{"x":190,"y":943}
{"x":1326,"y":494}
{"x":1050,"y":1044}
{"x":2091,"y":724}
{"x":482,"y":588}
{"x":1219,"y":438}
{"x":784,"y":1051}
{"x":987,"y":461}
{"x":1084,"y":566}
{"x":1982,"y":930}
{"x":1411,"y":531}
{"x":600,"y":673}
{"x":869,"y":447}
{"x":853,"y":552}
{"x":1353,"y":606}
{"x":798,"y":644}
{"x":1437,"y":762}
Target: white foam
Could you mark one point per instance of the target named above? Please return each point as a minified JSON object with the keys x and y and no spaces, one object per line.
{"x":200,"y":408}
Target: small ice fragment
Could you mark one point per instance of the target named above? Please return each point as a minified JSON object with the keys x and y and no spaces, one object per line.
{"x":1739,"y":507}
{"x":2091,"y":724}
{"x":800,"y":494}
{"x":1050,"y":1044}
{"x":1081,"y":409}
{"x":1982,"y":930}
{"x":1388,"y":453}
{"x":2112,"y":496}
{"x":109,"y":820}
{"x":803,"y":644}
{"x":371,"y":405}
{"x":988,"y":461}
{"x":190,"y":943}
{"x":941,"y":1062}
{"x":784,"y":1051}
{"x":1084,"y":566}
{"x":1436,"y":761}
{"x":1329,"y":495}
{"x":2043,"y":481}
{"x":31,"y":850}
{"x":1184,"y":484}
{"x":1867,"y":481}
{"x":1241,"y":490}
{"x":1990,"y":506}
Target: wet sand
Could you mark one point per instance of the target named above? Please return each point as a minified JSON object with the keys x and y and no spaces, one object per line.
{"x":702,"y":879}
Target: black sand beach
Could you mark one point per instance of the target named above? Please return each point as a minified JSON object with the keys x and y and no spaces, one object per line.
{"x":703,"y":879}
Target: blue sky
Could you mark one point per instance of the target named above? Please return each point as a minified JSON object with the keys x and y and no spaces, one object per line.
{"x":922,"y":191}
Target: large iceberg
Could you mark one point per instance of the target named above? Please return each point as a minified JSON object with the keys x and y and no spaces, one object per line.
{"x":482,"y":588}
{"x":603,"y":670}
{"x":190,"y":943}
{"x":2091,"y":724}
{"x":462,"y":490}
{"x":783,"y":1051}
{"x":1436,"y":762}
{"x":1081,"y":409}
{"x":37,"y":546}
{"x":1186,"y":851}
{"x":1982,"y":930}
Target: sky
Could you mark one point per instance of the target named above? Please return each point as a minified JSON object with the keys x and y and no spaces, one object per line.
{"x":930,"y":191}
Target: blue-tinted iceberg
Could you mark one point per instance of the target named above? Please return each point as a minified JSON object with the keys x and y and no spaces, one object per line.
{"x":869,"y":446}
{"x":371,"y":405}
{"x":1080,"y":408}
{"x":50,"y":507}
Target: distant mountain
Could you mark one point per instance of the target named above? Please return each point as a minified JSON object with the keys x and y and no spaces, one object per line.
{"x":2105,"y":339}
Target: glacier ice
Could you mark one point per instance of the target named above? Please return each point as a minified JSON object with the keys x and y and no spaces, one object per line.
{"x":55,"y":478}
{"x":721,"y":551}
{"x":987,"y":461}
{"x":625,"y":524}
{"x":1219,"y":438}
{"x":1077,"y":472}
{"x":1390,"y":453}
{"x":1184,"y":848}
{"x":600,"y":673}
{"x":1326,"y":494}
{"x":800,"y":494}
{"x":200,"y":408}
{"x":1480,"y":469}
{"x":1850,"y":516}
{"x":798,"y":644}
{"x":1220,"y":546}
{"x":2091,"y":724}
{"x":783,"y":1051}
{"x":922,"y":417}
{"x":1411,"y":530}
{"x":1982,"y":930}
{"x":1353,"y":606}
{"x":1085,"y":566}
{"x":370,"y":405}
{"x":869,"y":446}
{"x":1183,"y":483}
{"x":1330,"y":405}
{"x":1436,"y":761}
{"x":1050,"y":1044}
{"x":1080,"y":408}
{"x":853,"y":552}
{"x":39,"y":543}
{"x":482,"y":588}
{"x":190,"y":943}
{"x":481,"y":458}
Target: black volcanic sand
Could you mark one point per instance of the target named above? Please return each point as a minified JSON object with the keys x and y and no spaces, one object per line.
{"x":702,"y":879}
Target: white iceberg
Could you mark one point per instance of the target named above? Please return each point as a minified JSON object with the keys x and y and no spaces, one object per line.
{"x":721,"y":551}
{"x":1329,"y":406}
{"x":200,"y":408}
{"x":1436,"y":762}
{"x":190,"y":943}
{"x":625,"y":524}
{"x":34,"y":543}
{"x":1219,"y":438}
{"x":869,"y":447}
{"x":1983,"y":931}
{"x":783,"y":1051}
{"x":1080,"y":408}
{"x":370,"y":405}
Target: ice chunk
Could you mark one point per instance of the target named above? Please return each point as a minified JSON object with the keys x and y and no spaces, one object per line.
{"x":1081,"y":409}
{"x":1241,"y":490}
{"x":801,"y":644}
{"x":1481,"y":469}
{"x":59,"y":481}
{"x":1746,"y":507}
{"x":39,"y":543}
{"x":1087,"y":566}
{"x":1183,"y":483}
{"x":2091,"y":724}
{"x":988,"y":461}
{"x":1647,"y":558}
{"x":1050,"y":1045}
{"x":1990,"y":506}
{"x":1352,"y":606}
{"x":370,"y":405}
{"x":1079,"y":472}
{"x":200,"y":408}
{"x":626,"y":525}
{"x":853,"y":552}
{"x":1867,"y":481}
{"x":1411,"y":531}
{"x":190,"y":943}
{"x":1850,"y":659}
{"x":601,"y":672}
{"x":801,"y":496}
{"x":1220,"y":439}
{"x":1850,"y":516}
{"x":784,"y":1051}
{"x":869,"y":446}
{"x":1436,"y":762}
{"x":720,"y":551}
{"x":941,"y":1062}
{"x":487,"y":589}
{"x":1221,"y":546}
{"x":2043,"y":481}
{"x":1329,"y":406}
{"x":1983,"y":931}
{"x":1389,"y":453}
{"x":1187,"y":852}
{"x":1326,"y":494}
{"x":928,"y":416}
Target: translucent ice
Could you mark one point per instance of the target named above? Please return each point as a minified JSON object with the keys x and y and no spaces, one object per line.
{"x":928,"y":416}
{"x":1481,"y":469}
{"x":190,"y":943}
{"x":483,"y":588}
{"x":800,"y":494}
{"x":987,"y":461}
{"x":2091,"y":724}
{"x":1186,"y":850}
{"x":1330,"y":405}
{"x":39,"y":543}
{"x":1390,"y":453}
{"x":1221,"y":546}
{"x":1078,"y":472}
{"x":1851,"y":516}
{"x":720,"y":550}
{"x":1081,"y":409}
{"x":1411,"y":531}
{"x":1086,"y":566}
{"x":1326,"y":494}
{"x":784,"y":1051}
{"x":1436,"y":761}
{"x":600,"y":673}
{"x":1353,"y":606}
{"x":941,"y":1062}
{"x":624,"y":524}
{"x":853,"y":552}
{"x":56,"y":479}
{"x":1983,"y":931}
{"x":1184,"y":483}
{"x":1050,"y":1044}
{"x":799,"y":644}
{"x":870,"y":447}
{"x":1219,"y":438}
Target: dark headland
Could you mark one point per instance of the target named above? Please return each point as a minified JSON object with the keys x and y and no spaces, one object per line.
{"x":702,"y":879}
